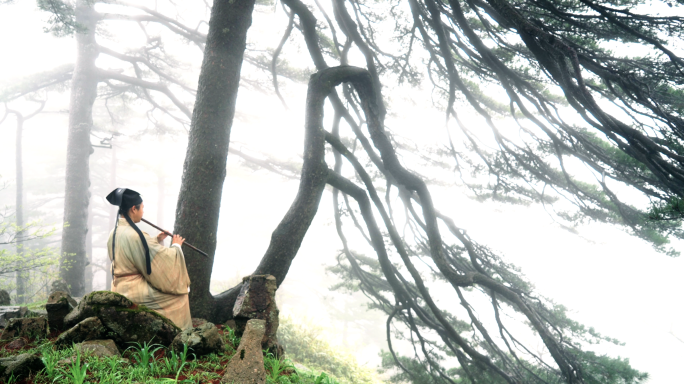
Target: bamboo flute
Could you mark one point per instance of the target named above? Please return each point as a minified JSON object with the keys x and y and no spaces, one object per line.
{"x":171,"y":234}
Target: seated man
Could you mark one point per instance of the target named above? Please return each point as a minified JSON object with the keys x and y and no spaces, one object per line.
{"x":144,"y":270}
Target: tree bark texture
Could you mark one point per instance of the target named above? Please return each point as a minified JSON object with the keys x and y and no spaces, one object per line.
{"x":21,"y":278}
{"x":204,"y":171}
{"x":77,"y":196}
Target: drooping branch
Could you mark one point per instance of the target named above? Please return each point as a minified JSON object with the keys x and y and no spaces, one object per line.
{"x":276,"y":53}
{"x":36,"y":82}
{"x":159,"y":87}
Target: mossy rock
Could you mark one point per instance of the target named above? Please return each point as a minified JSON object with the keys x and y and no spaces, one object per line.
{"x":58,"y":306}
{"x":88,"y":329}
{"x":201,"y":340}
{"x":90,"y":305}
{"x":138,"y":325}
{"x":124,"y":321}
{"x":107,"y":298}
{"x":30,"y":328}
{"x":20,"y":365}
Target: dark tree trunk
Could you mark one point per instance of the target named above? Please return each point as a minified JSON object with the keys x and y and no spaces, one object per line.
{"x":77,"y":196}
{"x":22,"y":277}
{"x":204,"y":170}
{"x":288,"y":235}
{"x":199,"y":200}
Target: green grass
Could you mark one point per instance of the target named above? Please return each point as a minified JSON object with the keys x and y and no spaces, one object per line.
{"x":151,"y":363}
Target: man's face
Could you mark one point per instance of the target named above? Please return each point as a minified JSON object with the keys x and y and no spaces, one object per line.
{"x":136,"y":214}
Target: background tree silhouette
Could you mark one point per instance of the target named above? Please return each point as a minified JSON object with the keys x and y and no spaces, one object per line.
{"x":564,"y":118}
{"x":571,"y":99}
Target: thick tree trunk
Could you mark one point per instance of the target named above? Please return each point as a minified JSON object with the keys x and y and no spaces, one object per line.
{"x":77,"y":196}
{"x":21,"y":278}
{"x":199,"y":200}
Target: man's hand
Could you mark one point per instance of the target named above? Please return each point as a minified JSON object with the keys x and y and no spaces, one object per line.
{"x":178,"y":240}
{"x":160,"y":237}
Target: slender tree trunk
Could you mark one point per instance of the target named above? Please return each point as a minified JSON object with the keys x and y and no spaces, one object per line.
{"x":21,"y":278}
{"x":89,"y":252}
{"x":288,"y":235}
{"x":204,"y":171}
{"x":112,"y":216}
{"x":77,"y":195}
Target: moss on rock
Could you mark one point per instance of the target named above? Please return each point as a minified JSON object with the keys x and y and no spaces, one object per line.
{"x":124,"y":321}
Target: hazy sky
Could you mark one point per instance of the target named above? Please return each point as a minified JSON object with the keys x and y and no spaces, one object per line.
{"x":609,"y":280}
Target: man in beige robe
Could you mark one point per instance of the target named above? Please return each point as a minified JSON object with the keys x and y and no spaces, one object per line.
{"x":164,"y":288}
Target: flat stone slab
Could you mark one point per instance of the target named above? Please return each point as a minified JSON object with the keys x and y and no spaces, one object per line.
{"x":99,"y":348}
{"x":8,"y":312}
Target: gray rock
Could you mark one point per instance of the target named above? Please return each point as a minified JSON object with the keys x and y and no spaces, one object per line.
{"x":31,"y":328}
{"x":201,"y":340}
{"x":99,"y":348}
{"x":58,"y":306}
{"x":197,"y":321}
{"x":257,"y":301}
{"x":17,"y":343}
{"x":230,"y":324}
{"x":11,"y":312}
{"x":124,"y":321}
{"x":88,"y":329}
{"x":91,"y":304}
{"x":138,"y":325}
{"x":247,"y":365}
{"x":4,"y":298}
{"x":20,"y":365}
{"x":60,"y":285}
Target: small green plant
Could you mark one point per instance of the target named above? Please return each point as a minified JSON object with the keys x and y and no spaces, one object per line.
{"x":76,"y":372}
{"x":113,"y":363}
{"x":323,"y":378}
{"x":184,"y":354}
{"x":50,"y":359}
{"x":232,"y":339}
{"x":175,"y":363}
{"x":180,"y":369}
{"x":275,"y":367}
{"x":144,"y":354}
{"x":171,"y":362}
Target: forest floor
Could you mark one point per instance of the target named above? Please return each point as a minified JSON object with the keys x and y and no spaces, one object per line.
{"x":150,"y":363}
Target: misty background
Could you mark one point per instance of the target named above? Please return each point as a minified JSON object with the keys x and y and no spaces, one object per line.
{"x":608,"y":279}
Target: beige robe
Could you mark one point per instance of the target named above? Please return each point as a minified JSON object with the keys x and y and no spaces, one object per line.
{"x":165,"y":290}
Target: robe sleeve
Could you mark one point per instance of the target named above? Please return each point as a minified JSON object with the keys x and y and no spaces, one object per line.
{"x":169,"y":273}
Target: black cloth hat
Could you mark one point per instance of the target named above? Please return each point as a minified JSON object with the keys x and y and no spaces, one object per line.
{"x":124,"y":198}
